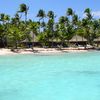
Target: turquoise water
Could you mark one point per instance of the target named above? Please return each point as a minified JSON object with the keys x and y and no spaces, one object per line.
{"x":57,"y":77}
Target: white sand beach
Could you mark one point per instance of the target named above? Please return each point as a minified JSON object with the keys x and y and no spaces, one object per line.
{"x":4,"y":51}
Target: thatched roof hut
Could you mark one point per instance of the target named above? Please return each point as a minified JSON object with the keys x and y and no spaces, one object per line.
{"x":78,"y":38}
{"x":97,"y":39}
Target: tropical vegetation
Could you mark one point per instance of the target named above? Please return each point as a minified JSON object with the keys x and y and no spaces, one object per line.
{"x":17,"y":32}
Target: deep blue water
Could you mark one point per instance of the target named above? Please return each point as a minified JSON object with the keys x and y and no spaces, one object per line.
{"x":50,"y":77}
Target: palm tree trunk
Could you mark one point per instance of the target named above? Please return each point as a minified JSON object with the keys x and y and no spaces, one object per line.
{"x":3,"y":42}
{"x":16,"y":45}
{"x":33,"y":43}
{"x":3,"y":37}
{"x":39,"y":25}
{"x":25,"y":17}
{"x":52,"y":43}
{"x":76,"y":38}
{"x":52,"y":36}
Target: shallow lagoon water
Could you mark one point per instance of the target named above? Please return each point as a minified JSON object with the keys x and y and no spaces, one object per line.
{"x":70,"y":76}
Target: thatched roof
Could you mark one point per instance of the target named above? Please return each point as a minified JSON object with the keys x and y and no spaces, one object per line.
{"x":97,"y":39}
{"x":78,"y":38}
{"x":33,"y":38}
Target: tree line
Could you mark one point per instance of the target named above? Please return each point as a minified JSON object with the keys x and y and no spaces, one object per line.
{"x":14,"y":30}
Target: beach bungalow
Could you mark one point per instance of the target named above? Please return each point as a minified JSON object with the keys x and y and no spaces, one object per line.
{"x":78,"y":40}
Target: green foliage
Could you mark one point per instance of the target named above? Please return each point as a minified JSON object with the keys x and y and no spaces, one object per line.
{"x":51,"y":14}
{"x":14,"y":31}
{"x":41,"y":14}
{"x":69,"y":11}
{"x":15,"y":35}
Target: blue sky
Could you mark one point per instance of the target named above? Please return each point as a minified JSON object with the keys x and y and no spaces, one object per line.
{"x":58,"y":6}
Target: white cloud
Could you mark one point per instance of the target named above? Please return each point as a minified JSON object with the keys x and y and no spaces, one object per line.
{"x":96,"y":13}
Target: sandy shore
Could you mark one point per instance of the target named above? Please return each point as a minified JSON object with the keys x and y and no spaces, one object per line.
{"x":40,"y":51}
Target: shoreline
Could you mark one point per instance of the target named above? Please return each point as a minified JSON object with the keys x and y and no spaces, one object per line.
{"x":4,"y":51}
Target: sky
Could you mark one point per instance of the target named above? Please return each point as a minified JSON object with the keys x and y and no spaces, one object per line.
{"x":58,"y":6}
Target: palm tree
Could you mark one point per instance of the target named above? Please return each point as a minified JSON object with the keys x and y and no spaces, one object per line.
{"x":95,"y":29}
{"x":16,"y":20}
{"x":51,"y":14}
{"x":17,"y":17}
{"x":62,"y":29}
{"x":15,"y":35}
{"x":56,"y":31}
{"x":41,"y":14}
{"x":2,"y":15}
{"x":7,"y":18}
{"x":2,"y":35}
{"x":51,"y":17}
{"x":24,"y":9}
{"x":62,"y":19}
{"x":33,"y":30}
{"x":5,"y":21}
{"x":65,"y":29}
{"x":88,"y":24}
{"x":69,"y":12}
{"x":75,"y":24}
{"x":50,"y":29}
{"x":85,"y":26}
{"x":43,"y":25}
{"x":75,"y":19}
{"x":88,"y":13}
